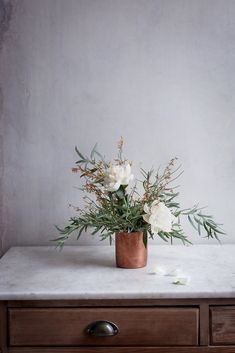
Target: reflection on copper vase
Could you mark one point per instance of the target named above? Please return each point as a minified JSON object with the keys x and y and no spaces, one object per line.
{"x":130,"y":250}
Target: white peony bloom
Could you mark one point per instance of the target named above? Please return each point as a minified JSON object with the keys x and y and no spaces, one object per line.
{"x":159,"y":216}
{"x":116,"y":176}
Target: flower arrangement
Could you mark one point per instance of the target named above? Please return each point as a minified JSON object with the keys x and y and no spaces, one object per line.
{"x":114,"y":202}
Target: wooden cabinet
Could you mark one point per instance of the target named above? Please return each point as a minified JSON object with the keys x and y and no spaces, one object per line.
{"x":143,"y":326}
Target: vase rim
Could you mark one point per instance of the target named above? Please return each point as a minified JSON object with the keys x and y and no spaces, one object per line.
{"x":137,"y":232}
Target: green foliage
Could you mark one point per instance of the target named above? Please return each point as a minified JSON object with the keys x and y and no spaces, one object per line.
{"x":203,"y":222}
{"x":109,"y":212}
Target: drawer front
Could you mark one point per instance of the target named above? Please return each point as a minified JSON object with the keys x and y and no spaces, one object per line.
{"x":222,"y":325}
{"x":137,"y":326}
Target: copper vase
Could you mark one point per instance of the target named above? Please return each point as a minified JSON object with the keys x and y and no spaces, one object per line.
{"x":130,"y":250}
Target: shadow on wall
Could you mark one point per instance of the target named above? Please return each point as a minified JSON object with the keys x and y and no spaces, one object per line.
{"x":5,"y":18}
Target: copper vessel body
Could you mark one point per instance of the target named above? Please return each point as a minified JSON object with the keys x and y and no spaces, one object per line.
{"x":130,"y":250}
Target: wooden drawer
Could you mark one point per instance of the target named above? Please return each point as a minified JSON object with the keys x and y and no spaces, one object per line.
{"x":222,"y":325}
{"x":137,"y":326}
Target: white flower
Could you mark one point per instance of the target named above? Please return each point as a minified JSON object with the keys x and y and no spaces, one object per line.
{"x":116,"y":176}
{"x":159,"y":216}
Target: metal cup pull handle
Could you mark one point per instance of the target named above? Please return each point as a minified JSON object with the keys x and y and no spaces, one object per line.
{"x":102,"y":329}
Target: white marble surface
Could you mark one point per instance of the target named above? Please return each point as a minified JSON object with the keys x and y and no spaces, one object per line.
{"x":89,"y":272}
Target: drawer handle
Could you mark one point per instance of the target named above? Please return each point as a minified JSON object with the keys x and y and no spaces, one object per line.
{"x":102,"y":329}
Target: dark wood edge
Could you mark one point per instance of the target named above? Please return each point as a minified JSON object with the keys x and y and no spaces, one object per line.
{"x":204,"y":324}
{"x":221,"y":349}
{"x":120,"y":302}
{"x":210,"y":326}
{"x":3,"y":327}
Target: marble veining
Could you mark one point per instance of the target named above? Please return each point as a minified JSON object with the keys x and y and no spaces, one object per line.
{"x":89,"y":272}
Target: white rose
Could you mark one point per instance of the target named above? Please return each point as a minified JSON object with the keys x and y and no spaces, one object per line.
{"x":116,"y":176}
{"x":159,"y":216}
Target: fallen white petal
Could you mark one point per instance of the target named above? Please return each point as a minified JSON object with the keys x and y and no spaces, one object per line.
{"x":181,"y":281}
{"x":177,"y":272}
{"x":160,"y":271}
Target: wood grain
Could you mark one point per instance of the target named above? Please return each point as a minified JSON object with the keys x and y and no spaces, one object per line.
{"x":3,"y":327}
{"x":222,"y":325}
{"x":138,"y":326}
{"x":120,"y":302}
{"x":126,"y":350}
{"x":204,"y":324}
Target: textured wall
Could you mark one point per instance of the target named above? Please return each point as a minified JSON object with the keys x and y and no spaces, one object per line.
{"x":159,"y":72}
{"x":5,"y":18}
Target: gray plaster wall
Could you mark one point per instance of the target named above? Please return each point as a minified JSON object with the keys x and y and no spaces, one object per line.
{"x":161,"y":73}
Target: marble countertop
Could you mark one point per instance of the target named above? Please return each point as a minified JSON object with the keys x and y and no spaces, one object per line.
{"x":89,"y":272}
